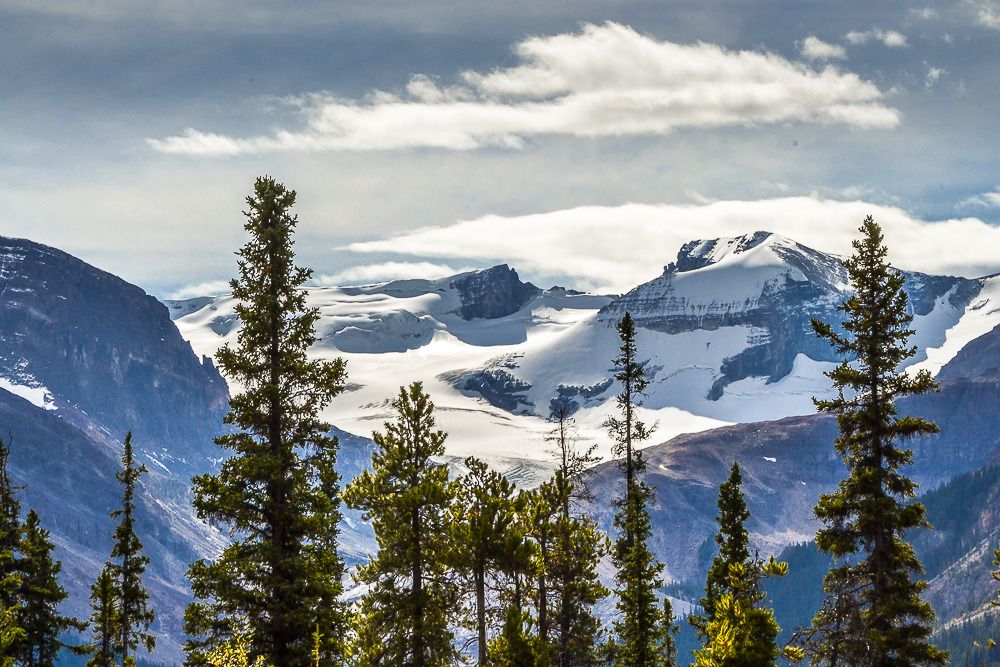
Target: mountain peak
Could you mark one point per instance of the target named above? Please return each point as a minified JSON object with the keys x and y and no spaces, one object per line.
{"x":492,"y":293}
{"x":700,"y":253}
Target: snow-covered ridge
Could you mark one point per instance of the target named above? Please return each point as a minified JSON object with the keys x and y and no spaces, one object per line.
{"x":725,"y":333}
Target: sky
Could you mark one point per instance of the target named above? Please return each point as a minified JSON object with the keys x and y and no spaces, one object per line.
{"x":581,"y":142}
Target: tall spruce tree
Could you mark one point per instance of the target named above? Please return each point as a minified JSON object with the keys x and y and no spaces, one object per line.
{"x":733,"y":542}
{"x":41,"y":595}
{"x":134,"y":613}
{"x":277,"y":491}
{"x":668,"y":636}
{"x":637,"y":627}
{"x":483,"y":525}
{"x":865,"y":520}
{"x":105,"y":627}
{"x":577,"y":549}
{"x":405,"y":615}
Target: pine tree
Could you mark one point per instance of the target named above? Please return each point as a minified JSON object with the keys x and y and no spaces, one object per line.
{"x":411,"y":594}
{"x":134,"y":612}
{"x":41,"y":595}
{"x":105,"y":623}
{"x":11,"y":632}
{"x":10,"y":579}
{"x":10,"y":534}
{"x":484,"y":523}
{"x":577,"y":549}
{"x":517,"y":646}
{"x":542,"y":507}
{"x":866,"y":518}
{"x":742,"y":632}
{"x":668,"y":636}
{"x":277,"y":491}
{"x":734,"y":546}
{"x":637,"y":629}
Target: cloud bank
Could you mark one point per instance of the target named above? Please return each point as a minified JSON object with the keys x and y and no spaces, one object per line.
{"x":616,"y":248}
{"x":372,"y":273}
{"x":607,"y":80}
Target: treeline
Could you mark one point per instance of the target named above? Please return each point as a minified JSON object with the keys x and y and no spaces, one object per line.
{"x":469,"y":568}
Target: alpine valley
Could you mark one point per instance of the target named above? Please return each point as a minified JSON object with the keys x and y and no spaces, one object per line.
{"x":724,"y":335}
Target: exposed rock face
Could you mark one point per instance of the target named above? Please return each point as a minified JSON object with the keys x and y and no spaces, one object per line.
{"x":769,"y":283}
{"x":102,"y":346}
{"x":492,"y":293}
{"x":95,"y":357}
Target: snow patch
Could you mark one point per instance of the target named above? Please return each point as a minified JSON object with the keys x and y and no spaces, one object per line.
{"x":37,"y":395}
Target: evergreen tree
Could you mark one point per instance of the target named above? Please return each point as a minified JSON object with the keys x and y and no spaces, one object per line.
{"x":10,"y":534}
{"x":734,"y":546}
{"x":996,"y":574}
{"x":866,"y":518}
{"x":638,"y":572}
{"x":105,"y":626}
{"x":668,"y":636}
{"x":517,"y":646}
{"x":10,"y":632}
{"x":742,"y":632}
{"x":577,"y":549}
{"x":542,"y":507}
{"x":134,"y":612}
{"x":41,"y":595}
{"x":277,"y":491}
{"x":406,"y":496}
{"x":484,"y":528}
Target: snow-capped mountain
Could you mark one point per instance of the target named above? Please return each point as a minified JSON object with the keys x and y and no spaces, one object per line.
{"x":724,"y":331}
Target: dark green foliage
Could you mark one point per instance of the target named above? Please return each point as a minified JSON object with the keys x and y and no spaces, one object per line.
{"x":105,"y":625}
{"x":41,"y":596}
{"x":277,"y":492}
{"x":541,"y":510}
{"x":733,"y":542}
{"x":517,"y":646}
{"x":485,"y":533}
{"x":10,"y":631}
{"x":10,"y":534}
{"x":134,"y":612}
{"x":873,"y":613}
{"x":668,"y":636}
{"x":406,"y":496}
{"x":637,"y":628}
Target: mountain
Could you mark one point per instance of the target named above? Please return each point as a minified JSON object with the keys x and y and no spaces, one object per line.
{"x":724,"y":332}
{"x":85,"y":357}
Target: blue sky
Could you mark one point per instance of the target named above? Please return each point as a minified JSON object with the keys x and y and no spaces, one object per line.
{"x":426,"y":137}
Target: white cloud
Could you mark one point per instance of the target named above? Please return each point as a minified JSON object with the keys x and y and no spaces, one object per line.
{"x":606,"y":80}
{"x":372,"y":273}
{"x":983,"y":200}
{"x":889,"y":38}
{"x":987,"y":12}
{"x":615,"y":248}
{"x":934,"y":75}
{"x":924,"y":13}
{"x":207,"y":288}
{"x":815,"y":48}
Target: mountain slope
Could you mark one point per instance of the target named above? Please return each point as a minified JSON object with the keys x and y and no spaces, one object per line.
{"x":85,"y":357}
